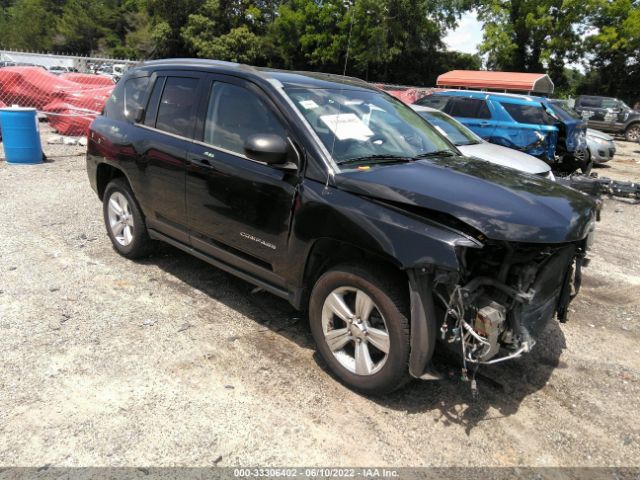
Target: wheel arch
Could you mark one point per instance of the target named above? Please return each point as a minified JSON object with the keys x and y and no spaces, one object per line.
{"x":326,"y":253}
{"x":105,"y":173}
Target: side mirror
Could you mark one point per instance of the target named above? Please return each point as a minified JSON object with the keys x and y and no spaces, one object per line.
{"x":267,"y":148}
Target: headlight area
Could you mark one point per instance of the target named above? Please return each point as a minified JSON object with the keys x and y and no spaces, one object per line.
{"x":504,"y":298}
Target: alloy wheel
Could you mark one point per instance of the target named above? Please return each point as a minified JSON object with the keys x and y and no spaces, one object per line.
{"x":120,"y":219}
{"x":355,"y":331}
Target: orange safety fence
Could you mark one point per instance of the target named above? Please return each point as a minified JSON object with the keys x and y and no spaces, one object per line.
{"x":70,"y":101}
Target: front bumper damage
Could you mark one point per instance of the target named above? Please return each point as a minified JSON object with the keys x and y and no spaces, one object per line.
{"x":496,"y":306}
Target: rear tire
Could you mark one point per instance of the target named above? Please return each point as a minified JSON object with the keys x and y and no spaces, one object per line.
{"x":124,"y":221}
{"x":359,"y":320}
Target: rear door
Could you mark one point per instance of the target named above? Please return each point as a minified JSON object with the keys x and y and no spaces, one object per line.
{"x":239,"y":209}
{"x":162,"y":159}
{"x":531,"y":129}
{"x":593,"y":110}
{"x":474,"y":113}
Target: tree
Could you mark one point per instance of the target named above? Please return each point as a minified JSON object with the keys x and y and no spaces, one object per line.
{"x":388,"y":40}
{"x":229,"y":29}
{"x":613,"y":46}
{"x":168,"y":17}
{"x":533,"y":35}
{"x":29,"y":25}
{"x":82,"y":24}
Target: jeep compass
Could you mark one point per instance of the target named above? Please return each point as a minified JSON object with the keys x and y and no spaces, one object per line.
{"x":333,"y":195}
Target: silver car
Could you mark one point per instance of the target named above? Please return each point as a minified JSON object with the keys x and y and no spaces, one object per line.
{"x":601,"y":147}
{"x":471,"y":145}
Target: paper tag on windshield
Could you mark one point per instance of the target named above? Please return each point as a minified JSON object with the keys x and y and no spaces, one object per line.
{"x":347,"y":126}
{"x":308,"y":104}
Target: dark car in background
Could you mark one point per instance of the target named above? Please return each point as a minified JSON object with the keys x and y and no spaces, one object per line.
{"x":342,"y":200}
{"x":535,"y":125}
{"x":610,"y":115}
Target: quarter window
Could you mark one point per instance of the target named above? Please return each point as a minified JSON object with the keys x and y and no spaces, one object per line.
{"x":127,"y":99}
{"x":175,"y":113}
{"x":234,"y":114}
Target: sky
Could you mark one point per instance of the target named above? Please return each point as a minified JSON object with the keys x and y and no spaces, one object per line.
{"x":467,"y":36}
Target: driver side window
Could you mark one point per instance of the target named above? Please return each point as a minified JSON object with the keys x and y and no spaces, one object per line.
{"x":234,"y":114}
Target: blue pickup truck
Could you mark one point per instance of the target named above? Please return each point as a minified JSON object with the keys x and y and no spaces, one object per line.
{"x":539,"y":126}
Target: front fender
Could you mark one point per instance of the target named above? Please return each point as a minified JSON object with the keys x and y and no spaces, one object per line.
{"x":403,"y":239}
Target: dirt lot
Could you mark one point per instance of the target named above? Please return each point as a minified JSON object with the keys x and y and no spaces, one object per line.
{"x":170,"y":362}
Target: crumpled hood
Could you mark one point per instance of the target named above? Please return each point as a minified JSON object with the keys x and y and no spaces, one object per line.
{"x":501,"y":203}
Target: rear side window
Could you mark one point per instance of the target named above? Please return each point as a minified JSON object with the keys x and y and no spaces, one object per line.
{"x":127,"y":98}
{"x":234,"y":114}
{"x":468,"y":108}
{"x":532,"y":114}
{"x":434,"y":101}
{"x":176,"y":109}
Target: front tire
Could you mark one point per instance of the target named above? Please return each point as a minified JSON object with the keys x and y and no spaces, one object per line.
{"x":632,"y":133}
{"x":124,"y":220}
{"x":587,"y":162}
{"x":359,"y":320}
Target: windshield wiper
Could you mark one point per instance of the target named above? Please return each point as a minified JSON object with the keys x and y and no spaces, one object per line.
{"x":437,"y":153}
{"x":376,"y":159}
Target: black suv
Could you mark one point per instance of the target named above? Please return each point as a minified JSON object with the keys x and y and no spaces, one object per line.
{"x":609,"y":115}
{"x":341,"y":199}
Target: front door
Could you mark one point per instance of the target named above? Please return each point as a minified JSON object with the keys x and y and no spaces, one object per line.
{"x":239,"y":208}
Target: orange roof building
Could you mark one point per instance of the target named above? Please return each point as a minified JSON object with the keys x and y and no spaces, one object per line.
{"x":531,"y":83}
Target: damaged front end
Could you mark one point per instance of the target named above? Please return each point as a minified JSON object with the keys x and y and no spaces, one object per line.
{"x":503,"y":297}
{"x":506,"y":296}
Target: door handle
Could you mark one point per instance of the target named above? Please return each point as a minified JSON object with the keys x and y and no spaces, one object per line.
{"x":199,"y":161}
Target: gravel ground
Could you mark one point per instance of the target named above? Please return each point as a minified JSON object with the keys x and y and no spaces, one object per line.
{"x":170,"y":362}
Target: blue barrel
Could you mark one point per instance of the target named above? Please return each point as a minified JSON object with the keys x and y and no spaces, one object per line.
{"x":20,"y":135}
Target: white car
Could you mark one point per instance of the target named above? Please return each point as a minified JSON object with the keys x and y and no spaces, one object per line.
{"x":471,"y":145}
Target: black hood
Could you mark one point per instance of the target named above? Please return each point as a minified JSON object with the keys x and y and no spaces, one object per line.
{"x":501,"y":203}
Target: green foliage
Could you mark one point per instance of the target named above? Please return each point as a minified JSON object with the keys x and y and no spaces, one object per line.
{"x":395,"y":41}
{"x":613,"y":43}
{"x":229,"y":30}
{"x":29,"y":24}
{"x":533,"y":35}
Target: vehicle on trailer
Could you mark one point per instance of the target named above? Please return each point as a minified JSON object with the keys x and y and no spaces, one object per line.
{"x":471,"y":145}
{"x":342,"y":200}
{"x":609,"y":115}
{"x":534,"y":125}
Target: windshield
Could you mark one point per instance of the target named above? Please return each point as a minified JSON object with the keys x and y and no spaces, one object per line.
{"x":563,"y":110}
{"x":365,"y":124}
{"x":451,"y":128}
